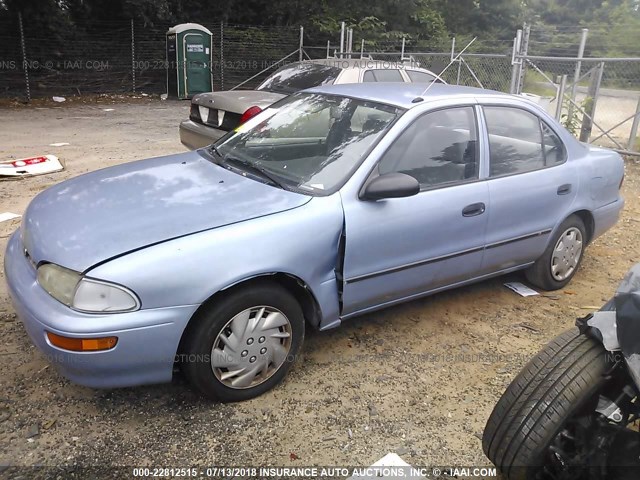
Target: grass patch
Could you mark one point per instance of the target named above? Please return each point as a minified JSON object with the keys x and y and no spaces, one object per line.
{"x":535,"y":83}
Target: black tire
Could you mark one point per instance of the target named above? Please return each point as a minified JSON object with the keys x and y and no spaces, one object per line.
{"x":557,"y":383}
{"x":211,"y":319}
{"x":539,"y":274}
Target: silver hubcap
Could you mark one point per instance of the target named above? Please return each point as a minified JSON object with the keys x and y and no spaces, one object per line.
{"x":251,"y":347}
{"x":566,"y":254}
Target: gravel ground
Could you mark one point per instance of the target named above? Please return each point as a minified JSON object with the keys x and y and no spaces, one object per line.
{"x":419,"y":379}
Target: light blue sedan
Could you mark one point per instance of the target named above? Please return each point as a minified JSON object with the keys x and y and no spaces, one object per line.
{"x":335,"y":202}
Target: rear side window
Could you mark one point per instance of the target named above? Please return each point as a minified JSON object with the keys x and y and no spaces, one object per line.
{"x":421,"y":77}
{"x":520,"y":142}
{"x":515,"y":141}
{"x":554,"y":150}
{"x":382,"y":75}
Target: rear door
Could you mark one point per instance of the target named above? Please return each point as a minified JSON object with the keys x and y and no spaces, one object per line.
{"x":531,"y":186}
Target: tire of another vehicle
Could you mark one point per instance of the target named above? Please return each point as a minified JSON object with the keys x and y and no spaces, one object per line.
{"x":550,"y":389}
{"x":213,"y":321}
{"x":540,"y":273}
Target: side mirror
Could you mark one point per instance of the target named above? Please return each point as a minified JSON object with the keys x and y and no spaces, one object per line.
{"x":391,"y":185}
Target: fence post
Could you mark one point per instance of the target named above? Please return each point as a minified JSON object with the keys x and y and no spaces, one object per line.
{"x":25,"y":65}
{"x":515,"y":62}
{"x":576,"y":75}
{"x":523,"y":63}
{"x":133,"y":57}
{"x":222,"y":55}
{"x":634,"y":130}
{"x":560,"y":96}
{"x":301,"y":42}
{"x":590,"y":107}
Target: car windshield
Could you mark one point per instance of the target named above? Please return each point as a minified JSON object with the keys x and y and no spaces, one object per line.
{"x":307,"y":142}
{"x":300,"y":76}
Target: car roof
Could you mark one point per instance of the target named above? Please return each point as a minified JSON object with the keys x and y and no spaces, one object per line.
{"x":402,"y":94}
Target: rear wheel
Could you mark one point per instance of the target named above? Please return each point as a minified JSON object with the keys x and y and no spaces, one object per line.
{"x":548,"y":425}
{"x":245,"y":343}
{"x":560,"y":261}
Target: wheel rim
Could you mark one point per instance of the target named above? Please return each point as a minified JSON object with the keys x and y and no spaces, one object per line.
{"x":251,"y":347}
{"x":566,"y":254}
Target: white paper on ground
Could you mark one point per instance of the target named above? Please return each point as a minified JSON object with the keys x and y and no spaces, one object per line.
{"x":521,"y":289}
{"x":108,"y":109}
{"x":24,"y":167}
{"x":8,"y":216}
{"x":384,"y":469}
{"x":59,"y":144}
{"x":59,"y":99}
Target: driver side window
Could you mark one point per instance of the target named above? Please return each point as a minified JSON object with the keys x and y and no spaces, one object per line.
{"x":438,"y":149}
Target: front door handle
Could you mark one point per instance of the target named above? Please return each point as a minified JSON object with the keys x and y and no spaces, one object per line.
{"x":473,"y":209}
{"x":564,"y":189}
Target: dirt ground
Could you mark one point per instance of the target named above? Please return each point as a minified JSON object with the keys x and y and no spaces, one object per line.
{"x":419,"y":379}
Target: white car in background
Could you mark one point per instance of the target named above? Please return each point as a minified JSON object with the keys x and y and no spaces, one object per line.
{"x":214,"y":114}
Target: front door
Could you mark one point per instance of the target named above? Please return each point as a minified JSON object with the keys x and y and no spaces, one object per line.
{"x":401,"y":247}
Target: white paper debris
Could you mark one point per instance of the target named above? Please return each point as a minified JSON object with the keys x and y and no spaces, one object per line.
{"x":521,"y":289}
{"x":24,"y":167}
{"x":108,"y":109}
{"x":377,"y":471}
{"x":8,"y":216}
{"x":59,"y":99}
{"x":59,"y":144}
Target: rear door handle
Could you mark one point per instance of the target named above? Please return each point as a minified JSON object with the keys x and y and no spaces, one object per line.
{"x":473,"y":209}
{"x":564,"y":189}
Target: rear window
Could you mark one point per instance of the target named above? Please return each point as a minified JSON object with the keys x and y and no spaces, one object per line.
{"x":421,"y":77}
{"x":382,"y":75}
{"x":292,"y":78}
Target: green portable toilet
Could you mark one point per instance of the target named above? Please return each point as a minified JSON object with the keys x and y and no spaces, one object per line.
{"x":189,"y":53}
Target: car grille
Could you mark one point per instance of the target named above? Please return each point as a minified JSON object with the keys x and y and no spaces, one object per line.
{"x":229,"y":122}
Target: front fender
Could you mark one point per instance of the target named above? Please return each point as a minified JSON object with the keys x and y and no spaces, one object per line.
{"x":301,"y":242}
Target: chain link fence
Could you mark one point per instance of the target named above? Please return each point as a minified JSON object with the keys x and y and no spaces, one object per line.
{"x":598,"y":99}
{"x":125,"y":56}
{"x":604,"y":103}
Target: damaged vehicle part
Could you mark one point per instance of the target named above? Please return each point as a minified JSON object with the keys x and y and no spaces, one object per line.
{"x":573,"y":411}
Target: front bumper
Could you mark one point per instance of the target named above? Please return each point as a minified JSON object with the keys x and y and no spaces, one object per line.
{"x":195,"y":135}
{"x":147,"y":339}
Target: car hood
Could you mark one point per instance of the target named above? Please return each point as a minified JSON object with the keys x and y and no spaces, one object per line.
{"x":237,"y":101}
{"x":94,"y":217}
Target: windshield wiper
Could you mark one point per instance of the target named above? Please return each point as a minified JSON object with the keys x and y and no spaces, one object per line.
{"x":256,"y":170}
{"x":215,"y":150}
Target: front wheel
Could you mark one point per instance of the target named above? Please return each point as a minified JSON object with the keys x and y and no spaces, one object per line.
{"x":244,"y":343}
{"x":548,"y":424}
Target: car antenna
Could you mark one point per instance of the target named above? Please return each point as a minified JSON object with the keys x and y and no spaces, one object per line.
{"x":453,"y":60}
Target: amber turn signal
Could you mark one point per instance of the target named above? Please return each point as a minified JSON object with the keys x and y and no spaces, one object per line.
{"x":82,"y":344}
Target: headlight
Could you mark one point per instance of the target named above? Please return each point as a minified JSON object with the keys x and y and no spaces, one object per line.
{"x":85,"y":294}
